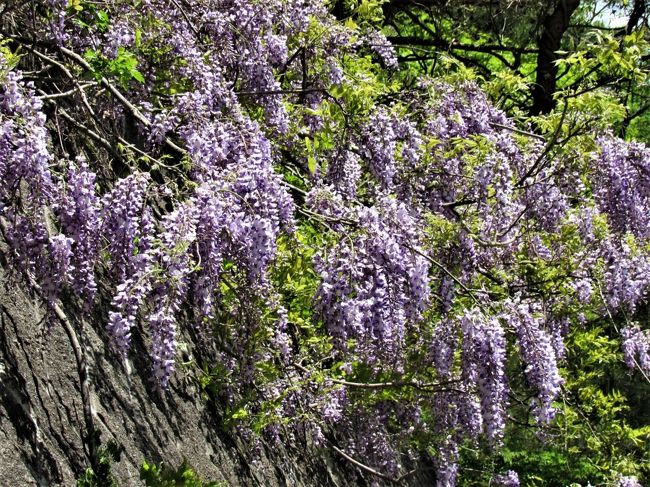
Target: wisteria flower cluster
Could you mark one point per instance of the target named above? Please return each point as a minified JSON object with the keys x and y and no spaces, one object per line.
{"x":374,"y":287}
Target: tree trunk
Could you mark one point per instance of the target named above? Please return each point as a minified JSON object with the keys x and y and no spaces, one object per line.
{"x":554,"y":27}
{"x":637,"y":12}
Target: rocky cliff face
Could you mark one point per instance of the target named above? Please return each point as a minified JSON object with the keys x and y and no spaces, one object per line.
{"x":48,"y":398}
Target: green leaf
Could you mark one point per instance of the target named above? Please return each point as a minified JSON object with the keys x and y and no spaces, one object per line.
{"x":137,"y":75}
{"x":240,"y":413}
{"x":311,"y":160}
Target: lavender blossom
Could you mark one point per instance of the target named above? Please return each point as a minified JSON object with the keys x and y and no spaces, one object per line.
{"x":508,"y":479}
{"x":539,"y":359}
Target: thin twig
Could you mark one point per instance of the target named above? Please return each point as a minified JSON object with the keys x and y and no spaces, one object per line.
{"x":68,"y":74}
{"x":280,"y":92}
{"x":382,"y":385}
{"x":362,"y":466}
{"x":94,"y":135}
{"x":65,"y":94}
{"x":135,"y":111}
{"x":517,"y":131}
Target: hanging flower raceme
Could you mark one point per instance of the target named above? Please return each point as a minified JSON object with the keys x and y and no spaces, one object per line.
{"x":128,"y":227}
{"x":374,"y":285}
{"x":622,"y":185}
{"x":79,"y":215}
{"x":484,"y":355}
{"x":538,"y":357}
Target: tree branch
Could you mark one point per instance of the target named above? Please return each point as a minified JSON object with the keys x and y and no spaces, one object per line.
{"x":429,"y":387}
{"x":407,"y":41}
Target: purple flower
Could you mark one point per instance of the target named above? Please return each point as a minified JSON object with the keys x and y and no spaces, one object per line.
{"x":508,"y":479}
